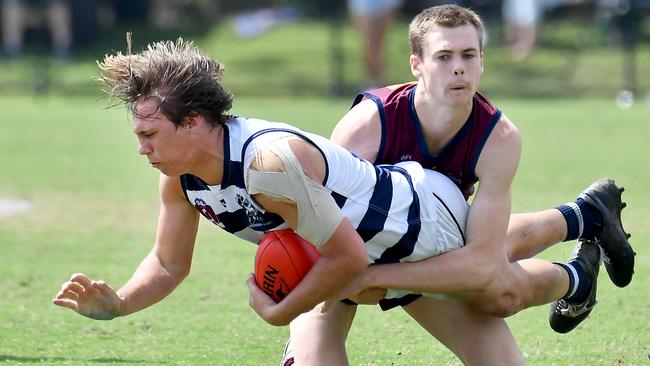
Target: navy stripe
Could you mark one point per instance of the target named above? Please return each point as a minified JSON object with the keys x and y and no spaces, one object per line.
{"x":387,"y":304}
{"x":297,"y":133}
{"x":227,"y":178}
{"x":233,"y":221}
{"x":404,"y":247}
{"x":358,"y":99}
{"x":417,"y":125}
{"x":486,"y":135}
{"x":237,"y":221}
{"x":382,"y":196}
{"x":382,"y":121}
{"x":339,"y":199}
{"x":191,"y":183}
{"x":233,"y":175}
{"x":452,"y":217}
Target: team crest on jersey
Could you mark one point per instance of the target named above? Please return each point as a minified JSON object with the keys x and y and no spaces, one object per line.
{"x":206,"y":210}
{"x":255,"y":216}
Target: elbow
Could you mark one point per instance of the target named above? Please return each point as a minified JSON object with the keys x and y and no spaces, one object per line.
{"x":484,"y":273}
{"x":182,"y":273}
{"x":361,"y":261}
{"x":354,"y":266}
{"x":178,"y":273}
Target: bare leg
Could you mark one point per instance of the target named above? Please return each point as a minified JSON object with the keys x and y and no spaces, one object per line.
{"x":372,"y":30}
{"x":474,"y":338}
{"x":60,"y":26}
{"x":520,"y":285}
{"x":12,"y":27}
{"x":530,"y":233}
{"x":319,"y":339}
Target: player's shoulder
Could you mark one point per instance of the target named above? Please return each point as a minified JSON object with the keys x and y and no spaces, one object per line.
{"x":359,"y":130}
{"x":502,"y":150}
{"x":506,"y":130}
{"x":171,"y":189}
{"x":362,"y":114}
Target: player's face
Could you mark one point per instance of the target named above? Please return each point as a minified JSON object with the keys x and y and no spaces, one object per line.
{"x":166,"y":146}
{"x":451,"y":64}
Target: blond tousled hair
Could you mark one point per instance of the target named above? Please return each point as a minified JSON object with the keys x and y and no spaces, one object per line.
{"x":178,"y":74}
{"x":448,"y":16}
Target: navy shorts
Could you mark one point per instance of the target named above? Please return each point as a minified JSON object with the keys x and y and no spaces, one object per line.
{"x":387,"y":304}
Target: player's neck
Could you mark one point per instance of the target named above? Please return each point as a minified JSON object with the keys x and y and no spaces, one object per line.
{"x":210,"y":156}
{"x":440,"y":122}
{"x":433,"y":113}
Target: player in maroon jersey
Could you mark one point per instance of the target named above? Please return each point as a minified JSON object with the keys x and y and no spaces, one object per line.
{"x":442,"y":122}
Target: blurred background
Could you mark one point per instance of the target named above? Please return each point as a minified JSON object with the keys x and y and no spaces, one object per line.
{"x":535,"y":48}
{"x":76,"y":197}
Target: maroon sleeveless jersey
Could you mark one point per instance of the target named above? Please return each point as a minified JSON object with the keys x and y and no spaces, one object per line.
{"x":402,"y":138}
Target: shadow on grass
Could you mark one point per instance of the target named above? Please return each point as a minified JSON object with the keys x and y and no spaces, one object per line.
{"x":4,"y":358}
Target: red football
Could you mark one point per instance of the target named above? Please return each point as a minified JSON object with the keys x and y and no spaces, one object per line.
{"x":282,"y":260}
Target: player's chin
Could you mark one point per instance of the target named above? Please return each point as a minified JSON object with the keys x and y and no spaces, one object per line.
{"x":169,"y":171}
{"x":460,"y":97}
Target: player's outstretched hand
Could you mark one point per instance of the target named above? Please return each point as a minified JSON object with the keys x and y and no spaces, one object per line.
{"x":92,"y":299}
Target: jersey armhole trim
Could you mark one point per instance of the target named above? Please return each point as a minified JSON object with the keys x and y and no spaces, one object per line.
{"x":382,"y":122}
{"x":486,"y":135}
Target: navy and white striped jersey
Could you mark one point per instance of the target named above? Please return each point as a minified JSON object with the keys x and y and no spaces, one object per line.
{"x":403,"y":212}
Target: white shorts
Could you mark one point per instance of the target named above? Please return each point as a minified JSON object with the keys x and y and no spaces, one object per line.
{"x":444,"y":218}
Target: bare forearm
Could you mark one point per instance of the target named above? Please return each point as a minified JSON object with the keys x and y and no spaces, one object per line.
{"x":150,"y":283}
{"x":323,"y":281}
{"x":459,"y":271}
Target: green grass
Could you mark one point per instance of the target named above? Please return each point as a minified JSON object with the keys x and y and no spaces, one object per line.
{"x":95,"y":209}
{"x":573,"y":60}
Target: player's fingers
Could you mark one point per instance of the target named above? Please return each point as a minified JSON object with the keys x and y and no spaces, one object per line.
{"x":76,"y":287}
{"x":371,"y":296}
{"x":102,"y":287}
{"x":66,"y":303}
{"x":69,"y":294}
{"x":252,"y":285}
{"x":327,"y":305}
{"x":81,"y":279}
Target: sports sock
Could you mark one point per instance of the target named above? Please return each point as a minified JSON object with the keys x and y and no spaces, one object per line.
{"x":583,"y":220}
{"x":579,"y":282}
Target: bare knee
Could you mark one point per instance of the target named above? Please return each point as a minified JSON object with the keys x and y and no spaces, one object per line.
{"x":502,"y":306}
{"x":507,"y":305}
{"x":319,"y":338}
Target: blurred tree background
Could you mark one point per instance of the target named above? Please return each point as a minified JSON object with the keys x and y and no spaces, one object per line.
{"x":593,"y":49}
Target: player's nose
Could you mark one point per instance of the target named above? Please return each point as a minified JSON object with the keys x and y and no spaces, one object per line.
{"x":144,"y":148}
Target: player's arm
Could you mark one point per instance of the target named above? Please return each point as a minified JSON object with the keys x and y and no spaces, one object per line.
{"x":342,"y":253}
{"x":360,"y":130}
{"x":158,"y":274}
{"x":475,"y":266}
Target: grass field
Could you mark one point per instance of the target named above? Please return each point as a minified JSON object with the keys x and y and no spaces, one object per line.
{"x":95,"y":208}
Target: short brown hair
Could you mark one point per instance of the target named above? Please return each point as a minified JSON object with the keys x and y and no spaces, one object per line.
{"x":449,"y":16}
{"x":178,"y":74}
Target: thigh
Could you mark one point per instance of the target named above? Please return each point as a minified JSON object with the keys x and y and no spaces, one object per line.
{"x":319,"y":338}
{"x":475,"y":338}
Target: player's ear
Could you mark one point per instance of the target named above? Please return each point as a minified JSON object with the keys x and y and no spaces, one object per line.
{"x":482,"y":65}
{"x":416,"y":63}
{"x":191,"y":120}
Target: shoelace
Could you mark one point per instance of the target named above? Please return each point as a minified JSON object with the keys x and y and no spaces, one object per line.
{"x":603,"y":256}
{"x":573,"y":310}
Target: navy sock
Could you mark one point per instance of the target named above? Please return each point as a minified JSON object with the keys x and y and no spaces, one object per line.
{"x":582,"y":219}
{"x":579,"y":282}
